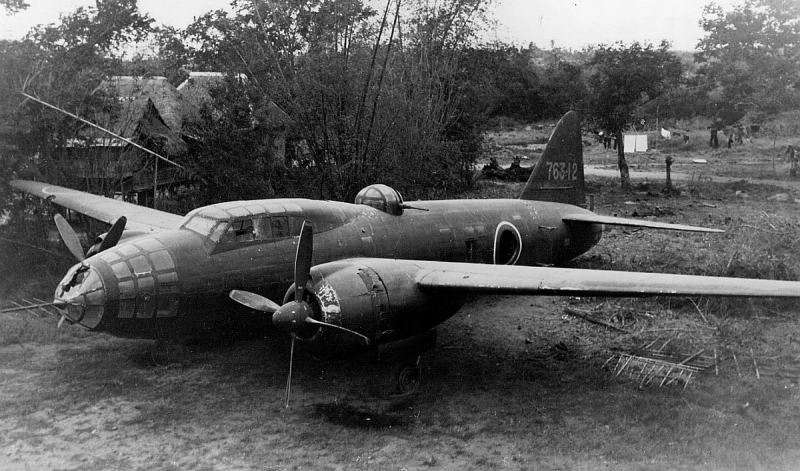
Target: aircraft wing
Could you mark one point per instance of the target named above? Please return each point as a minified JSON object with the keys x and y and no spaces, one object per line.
{"x":615,"y":221}
{"x":140,"y":219}
{"x":470,"y":278}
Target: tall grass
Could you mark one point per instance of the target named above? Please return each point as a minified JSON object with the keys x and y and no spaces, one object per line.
{"x":31,"y":265}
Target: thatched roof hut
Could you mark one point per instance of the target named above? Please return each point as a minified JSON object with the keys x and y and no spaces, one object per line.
{"x":171,"y":106}
{"x":196,"y":89}
{"x":150,"y":112}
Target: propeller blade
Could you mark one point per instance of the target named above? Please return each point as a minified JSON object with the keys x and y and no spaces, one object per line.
{"x":289,"y":379}
{"x":302,"y":260}
{"x":61,"y":321}
{"x":320,"y":323}
{"x":69,"y":237}
{"x":253,"y":301}
{"x":113,"y":235}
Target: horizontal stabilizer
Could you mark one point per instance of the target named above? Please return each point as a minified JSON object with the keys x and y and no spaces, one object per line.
{"x":615,"y":221}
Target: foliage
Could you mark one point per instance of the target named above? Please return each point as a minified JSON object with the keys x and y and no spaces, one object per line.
{"x":364,"y":104}
{"x":501,"y":80}
{"x":752,"y":53}
{"x":622,"y":79}
{"x":625,"y":77}
{"x":230,"y":156}
{"x":396,"y":92}
{"x":523,"y":84}
{"x":13,"y":6}
{"x":62,"y":65}
{"x":564,"y":85}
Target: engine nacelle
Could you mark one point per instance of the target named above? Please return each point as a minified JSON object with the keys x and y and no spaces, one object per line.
{"x":376,"y":298}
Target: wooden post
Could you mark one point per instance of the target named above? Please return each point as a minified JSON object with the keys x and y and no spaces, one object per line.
{"x":669,"y":174}
{"x":155,"y":182}
{"x":624,"y":172}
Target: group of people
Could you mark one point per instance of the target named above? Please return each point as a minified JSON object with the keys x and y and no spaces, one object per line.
{"x":734,"y":136}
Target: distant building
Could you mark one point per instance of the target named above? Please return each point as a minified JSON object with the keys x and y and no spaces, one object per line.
{"x":270,"y":119}
{"x":146,"y":110}
{"x":157,"y":116}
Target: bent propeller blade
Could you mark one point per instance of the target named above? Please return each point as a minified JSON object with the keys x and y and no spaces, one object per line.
{"x":114,"y":234}
{"x":289,"y":378}
{"x":253,"y":301}
{"x":69,"y":237}
{"x":325,"y":324}
{"x":302,"y":260}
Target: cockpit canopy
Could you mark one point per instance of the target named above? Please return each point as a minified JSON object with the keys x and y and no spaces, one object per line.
{"x":235,"y":224}
{"x":381,"y":197}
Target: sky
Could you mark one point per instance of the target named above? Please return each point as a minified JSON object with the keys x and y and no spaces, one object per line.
{"x":562,"y":23}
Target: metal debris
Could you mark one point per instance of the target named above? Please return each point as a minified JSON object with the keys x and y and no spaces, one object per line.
{"x":648,"y":366}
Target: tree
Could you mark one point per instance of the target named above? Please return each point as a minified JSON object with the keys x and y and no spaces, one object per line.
{"x":367,"y":103}
{"x":752,"y":53}
{"x":563,"y":85}
{"x":13,"y":6}
{"x":622,"y":78}
{"x":501,"y":81}
{"x":62,"y":64}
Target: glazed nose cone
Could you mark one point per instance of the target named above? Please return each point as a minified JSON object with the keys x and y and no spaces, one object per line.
{"x":83,"y":296}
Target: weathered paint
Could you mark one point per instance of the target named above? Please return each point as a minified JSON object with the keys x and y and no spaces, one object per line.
{"x":176,"y":282}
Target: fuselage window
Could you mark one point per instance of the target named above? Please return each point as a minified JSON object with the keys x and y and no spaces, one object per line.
{"x":200,"y":225}
{"x":239,"y":231}
{"x":218,"y":231}
{"x":263,"y":229}
{"x":280,"y":227}
{"x":257,"y":229}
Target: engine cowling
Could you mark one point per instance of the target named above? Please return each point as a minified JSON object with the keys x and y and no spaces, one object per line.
{"x":374,"y":297}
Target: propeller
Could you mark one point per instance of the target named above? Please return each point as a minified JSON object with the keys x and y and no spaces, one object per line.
{"x":254,"y":301}
{"x":296,"y":316}
{"x":102,"y":242}
{"x":110,"y":238}
{"x":292,"y":315}
{"x":69,"y":237}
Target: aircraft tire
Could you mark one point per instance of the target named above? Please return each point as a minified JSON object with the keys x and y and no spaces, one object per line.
{"x":409,"y":378}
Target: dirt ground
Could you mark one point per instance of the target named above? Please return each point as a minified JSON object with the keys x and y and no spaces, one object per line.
{"x":514,"y":383}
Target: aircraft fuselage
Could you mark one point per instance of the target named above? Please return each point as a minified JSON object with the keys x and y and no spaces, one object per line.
{"x":175,"y":283}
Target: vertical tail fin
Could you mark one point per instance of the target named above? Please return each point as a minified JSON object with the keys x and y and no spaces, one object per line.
{"x":558,"y":176}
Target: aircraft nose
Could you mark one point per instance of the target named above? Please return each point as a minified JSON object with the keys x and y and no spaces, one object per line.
{"x":83,"y":295}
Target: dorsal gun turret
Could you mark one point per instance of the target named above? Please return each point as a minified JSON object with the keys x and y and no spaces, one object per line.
{"x":383,"y":198}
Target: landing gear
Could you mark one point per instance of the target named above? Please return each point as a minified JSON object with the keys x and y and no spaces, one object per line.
{"x":404,"y":356}
{"x":409,"y":377}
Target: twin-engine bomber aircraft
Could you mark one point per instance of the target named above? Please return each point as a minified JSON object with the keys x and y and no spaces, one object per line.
{"x":379,"y":272}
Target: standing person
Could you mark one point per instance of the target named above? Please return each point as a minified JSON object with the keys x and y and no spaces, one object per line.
{"x":714,"y":142}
